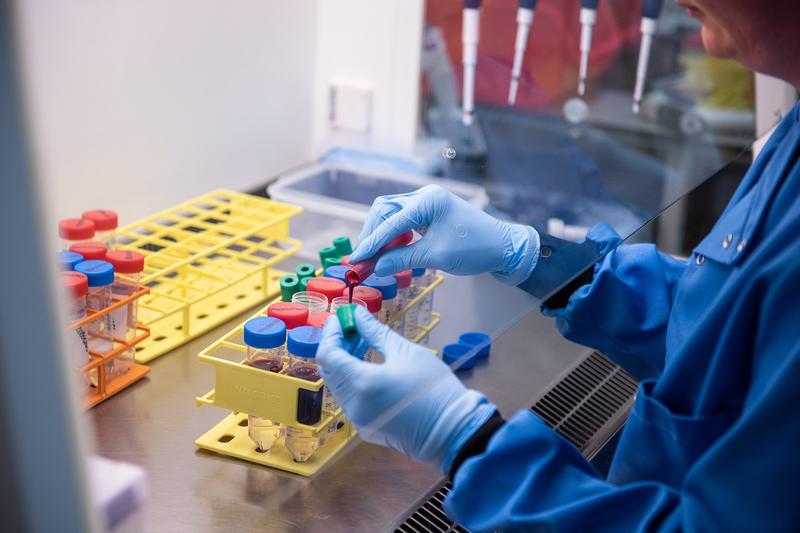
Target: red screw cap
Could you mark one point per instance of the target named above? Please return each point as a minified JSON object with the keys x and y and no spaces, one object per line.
{"x":103,"y":219}
{"x":90,"y":250}
{"x":126,"y":261}
{"x":75,"y":283}
{"x":76,"y":229}
{"x":293,"y":314}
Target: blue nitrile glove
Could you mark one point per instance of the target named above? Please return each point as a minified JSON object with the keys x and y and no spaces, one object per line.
{"x":456,"y":237}
{"x":412,"y":402}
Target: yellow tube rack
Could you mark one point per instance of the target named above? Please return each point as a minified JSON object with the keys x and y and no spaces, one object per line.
{"x":243,"y":389}
{"x":206,"y":261}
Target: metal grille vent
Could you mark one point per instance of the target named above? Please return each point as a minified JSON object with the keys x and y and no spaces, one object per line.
{"x":587,"y":406}
{"x":430,"y":517}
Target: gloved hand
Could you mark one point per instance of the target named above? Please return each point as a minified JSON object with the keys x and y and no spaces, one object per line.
{"x":412,"y":402}
{"x":456,"y":237}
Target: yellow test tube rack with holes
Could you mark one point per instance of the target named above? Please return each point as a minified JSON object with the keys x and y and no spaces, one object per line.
{"x":206,"y":261}
{"x":245,"y":390}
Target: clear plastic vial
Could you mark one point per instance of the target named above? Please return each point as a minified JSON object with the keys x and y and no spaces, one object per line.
{"x":265,"y":338}
{"x":302,"y":346}
{"x":388,"y":287}
{"x":403,"y":297}
{"x":412,"y":315}
{"x":75,"y":230}
{"x":76,"y":287}
{"x":345,"y":300}
{"x":128,"y":267}
{"x":426,"y":306}
{"x":105,"y":224}
{"x":100,"y":277}
{"x":315,"y":302}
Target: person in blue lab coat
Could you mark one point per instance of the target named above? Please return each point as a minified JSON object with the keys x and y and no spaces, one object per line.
{"x":713,"y":439}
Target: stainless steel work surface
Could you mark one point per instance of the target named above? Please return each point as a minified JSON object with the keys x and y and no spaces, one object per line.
{"x":155,"y":422}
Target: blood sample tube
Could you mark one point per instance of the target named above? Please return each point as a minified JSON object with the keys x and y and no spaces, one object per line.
{"x":337,"y":272}
{"x":343,"y":246}
{"x":75,"y":230}
{"x":315,"y":302}
{"x":403,"y":296}
{"x":100,"y":276}
{"x":317,"y":320}
{"x":289,"y":285}
{"x":265,"y":338}
{"x":388,"y":287}
{"x":76,"y":287}
{"x":128,"y":267}
{"x":302,"y":345}
{"x":91,"y":251}
{"x":372,"y":297}
{"x":361,"y":271}
{"x":105,"y":224}
{"x":346,"y":261}
{"x":292,"y":314}
{"x":305,"y":270}
{"x":330,"y":287}
{"x":68,"y":260}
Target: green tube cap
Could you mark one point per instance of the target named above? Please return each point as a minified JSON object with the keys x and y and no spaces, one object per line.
{"x":343,"y":245}
{"x":304,"y":283}
{"x":331,"y":261}
{"x":328,"y":251}
{"x":347,"y":319}
{"x":305,"y":270}
{"x":289,"y":285}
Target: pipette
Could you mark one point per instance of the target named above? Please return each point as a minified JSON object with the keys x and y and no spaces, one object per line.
{"x":525,"y":13}
{"x":588,"y":18}
{"x":469,"y":39}
{"x":651,"y":9}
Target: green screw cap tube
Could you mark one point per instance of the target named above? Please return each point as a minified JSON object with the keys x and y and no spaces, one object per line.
{"x":304,"y":283}
{"x":289,"y":285}
{"x":331,"y":261}
{"x":343,"y":245}
{"x":305,"y":270}
{"x":328,"y":251}
{"x":347,"y":319}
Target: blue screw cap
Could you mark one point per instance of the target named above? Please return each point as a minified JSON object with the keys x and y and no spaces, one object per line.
{"x":264,"y":332}
{"x":417,"y":272}
{"x":68,"y":260}
{"x":100,"y":273}
{"x":479,"y":340}
{"x":453,"y":352}
{"x":386,"y":284}
{"x":337,"y":272}
{"x":303,"y":341}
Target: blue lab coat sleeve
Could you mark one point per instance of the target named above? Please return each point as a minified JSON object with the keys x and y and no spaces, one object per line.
{"x":745,"y":479}
{"x":624,"y":311}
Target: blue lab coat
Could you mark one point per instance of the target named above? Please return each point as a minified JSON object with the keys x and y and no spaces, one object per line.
{"x":713,"y":439}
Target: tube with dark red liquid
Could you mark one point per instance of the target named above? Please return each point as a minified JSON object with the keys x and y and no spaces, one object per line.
{"x":363,"y":269}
